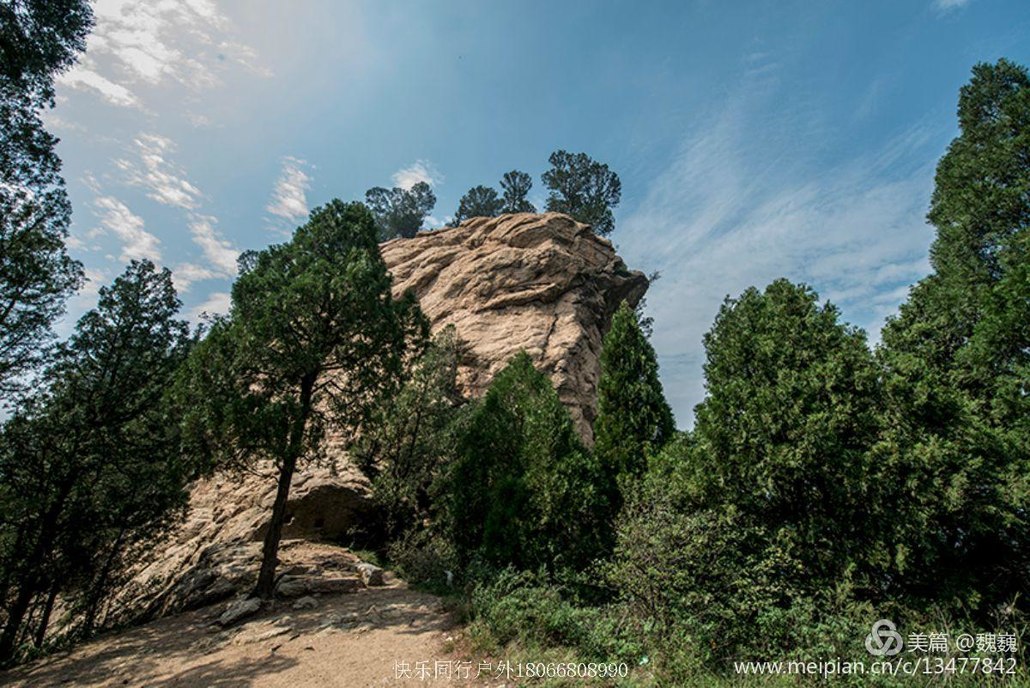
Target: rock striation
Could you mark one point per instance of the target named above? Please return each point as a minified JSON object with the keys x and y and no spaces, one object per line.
{"x":540,"y":283}
{"x":543,"y":283}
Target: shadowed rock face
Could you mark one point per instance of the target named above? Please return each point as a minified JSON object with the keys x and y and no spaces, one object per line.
{"x":215,"y":553}
{"x":543,"y":283}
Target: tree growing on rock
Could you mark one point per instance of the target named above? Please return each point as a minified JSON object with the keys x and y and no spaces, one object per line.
{"x":516,"y":186}
{"x":313,"y":340}
{"x":400,"y":212}
{"x":479,"y":201}
{"x":483,"y":201}
{"x":583,"y":188}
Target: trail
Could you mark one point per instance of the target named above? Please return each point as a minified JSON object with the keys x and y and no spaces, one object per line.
{"x":347,"y":641}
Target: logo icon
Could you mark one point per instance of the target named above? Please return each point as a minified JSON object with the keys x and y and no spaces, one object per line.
{"x":884,"y":639}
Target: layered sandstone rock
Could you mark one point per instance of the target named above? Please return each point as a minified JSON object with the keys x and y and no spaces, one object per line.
{"x":540,"y":283}
{"x":216,"y":552}
{"x":543,"y":283}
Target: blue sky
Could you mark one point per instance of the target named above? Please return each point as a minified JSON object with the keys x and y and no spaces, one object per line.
{"x":754,"y":139}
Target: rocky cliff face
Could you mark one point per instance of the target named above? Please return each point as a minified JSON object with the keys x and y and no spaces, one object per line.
{"x":542,"y":283}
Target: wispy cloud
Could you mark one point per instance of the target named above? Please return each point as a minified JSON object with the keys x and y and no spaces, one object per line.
{"x":166,"y":183}
{"x":738,"y":209}
{"x":81,"y":77}
{"x":219,"y":255}
{"x":138,"y":44}
{"x":289,"y":197}
{"x":116,"y":218}
{"x":418,"y":171}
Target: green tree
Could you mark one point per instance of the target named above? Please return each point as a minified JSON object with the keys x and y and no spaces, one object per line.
{"x":769,"y":502}
{"x":38,"y":39}
{"x":583,"y":188}
{"x":981,"y":211}
{"x":479,"y":201}
{"x":790,"y":413}
{"x":697,"y":569}
{"x":633,"y":419}
{"x":523,"y":490}
{"x":400,"y":212}
{"x":515,"y":186}
{"x":410,"y":442}
{"x":957,"y":362}
{"x":90,"y":466}
{"x":314,"y":339}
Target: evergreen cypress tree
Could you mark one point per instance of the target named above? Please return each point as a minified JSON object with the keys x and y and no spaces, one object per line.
{"x":633,"y":418}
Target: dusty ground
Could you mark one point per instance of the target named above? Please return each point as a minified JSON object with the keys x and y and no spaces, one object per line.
{"x":347,"y":641}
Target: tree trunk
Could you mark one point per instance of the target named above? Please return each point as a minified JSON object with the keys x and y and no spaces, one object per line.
{"x":265,"y":587}
{"x":97,"y":590}
{"x":9,"y":638}
{"x":28,"y":585}
{"x":44,"y":620}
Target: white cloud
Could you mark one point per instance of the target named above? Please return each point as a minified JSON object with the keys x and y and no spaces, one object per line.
{"x":948,"y":5}
{"x":738,"y":209}
{"x":185,"y":274}
{"x":146,"y":44}
{"x":166,"y":183}
{"x":289,"y":197}
{"x":81,"y":77}
{"x":216,"y":303}
{"x":116,"y":218}
{"x":418,"y":171}
{"x":220,"y":254}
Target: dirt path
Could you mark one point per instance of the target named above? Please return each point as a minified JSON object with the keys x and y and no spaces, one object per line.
{"x":347,"y":641}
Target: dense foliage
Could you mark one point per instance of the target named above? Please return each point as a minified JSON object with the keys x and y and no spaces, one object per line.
{"x":90,"y":465}
{"x":581,"y":187}
{"x":823,"y":485}
{"x":769,"y":500}
{"x":956,"y":362}
{"x":523,"y":490}
{"x":38,"y":39}
{"x":412,"y":438}
{"x":633,"y":419}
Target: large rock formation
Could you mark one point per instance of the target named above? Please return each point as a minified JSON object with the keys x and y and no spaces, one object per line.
{"x":542,"y":283}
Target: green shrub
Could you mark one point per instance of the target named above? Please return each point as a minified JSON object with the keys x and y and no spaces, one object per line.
{"x":523,"y":490}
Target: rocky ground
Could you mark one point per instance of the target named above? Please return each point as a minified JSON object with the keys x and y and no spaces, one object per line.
{"x":367,"y":637}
